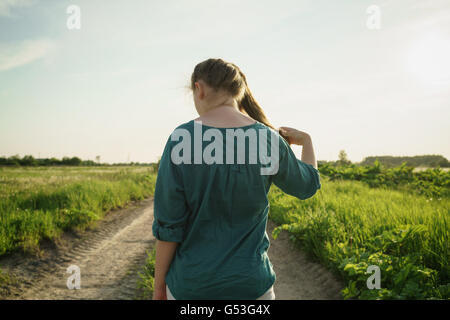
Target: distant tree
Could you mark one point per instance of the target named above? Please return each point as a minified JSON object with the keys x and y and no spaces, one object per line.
{"x":45,"y":162}
{"x":13,"y":160}
{"x":97,"y":159}
{"x":88,"y":163}
{"x":343,"y":159}
{"x":28,"y":160}
{"x":65,"y":161}
{"x":75,"y":161}
{"x":444,"y":163}
{"x":55,"y":162}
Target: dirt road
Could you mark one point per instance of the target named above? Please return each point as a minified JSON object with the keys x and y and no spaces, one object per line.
{"x":298,"y":278}
{"x":110,"y":255}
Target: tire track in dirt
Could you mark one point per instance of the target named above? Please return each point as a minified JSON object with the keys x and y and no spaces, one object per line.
{"x":299,"y":278}
{"x":108,"y":256}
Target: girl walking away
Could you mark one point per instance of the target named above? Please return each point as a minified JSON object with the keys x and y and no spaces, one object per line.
{"x":211,"y":205}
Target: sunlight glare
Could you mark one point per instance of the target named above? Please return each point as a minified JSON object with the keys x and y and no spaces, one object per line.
{"x":429,"y":59}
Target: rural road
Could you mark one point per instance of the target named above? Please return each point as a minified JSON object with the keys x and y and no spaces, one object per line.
{"x":110,"y":255}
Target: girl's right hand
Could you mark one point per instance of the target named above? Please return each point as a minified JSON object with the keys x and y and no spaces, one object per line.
{"x":295,"y":136}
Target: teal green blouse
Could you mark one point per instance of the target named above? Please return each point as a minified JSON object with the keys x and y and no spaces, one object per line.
{"x":218,"y":213}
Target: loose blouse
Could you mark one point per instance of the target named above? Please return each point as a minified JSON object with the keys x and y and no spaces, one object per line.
{"x":211,"y":198}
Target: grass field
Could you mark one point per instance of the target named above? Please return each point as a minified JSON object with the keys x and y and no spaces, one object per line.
{"x":39,"y":203}
{"x":349,"y":226}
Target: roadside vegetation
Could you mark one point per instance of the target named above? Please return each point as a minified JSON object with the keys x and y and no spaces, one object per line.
{"x":39,"y":203}
{"x":388,"y":219}
{"x":432,"y":183}
{"x":145,"y":284}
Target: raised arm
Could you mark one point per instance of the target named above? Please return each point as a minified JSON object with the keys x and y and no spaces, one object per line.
{"x":299,"y":178}
{"x":302,"y":139}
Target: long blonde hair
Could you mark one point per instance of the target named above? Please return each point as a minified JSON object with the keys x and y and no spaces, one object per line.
{"x":223,"y":75}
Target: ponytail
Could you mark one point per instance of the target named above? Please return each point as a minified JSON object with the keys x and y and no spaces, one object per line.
{"x":252,"y":107}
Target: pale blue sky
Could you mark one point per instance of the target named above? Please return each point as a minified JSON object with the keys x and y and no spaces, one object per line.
{"x":116,"y":87}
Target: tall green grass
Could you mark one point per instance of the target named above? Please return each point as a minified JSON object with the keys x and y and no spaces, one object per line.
{"x":146,"y":281}
{"x":40,"y":203}
{"x":349,"y":226}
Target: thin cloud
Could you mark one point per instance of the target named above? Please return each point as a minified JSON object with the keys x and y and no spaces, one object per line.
{"x":6,"y":6}
{"x":19,"y":54}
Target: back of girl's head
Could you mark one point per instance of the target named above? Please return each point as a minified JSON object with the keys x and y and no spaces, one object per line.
{"x":220,"y":75}
{"x":226,"y":76}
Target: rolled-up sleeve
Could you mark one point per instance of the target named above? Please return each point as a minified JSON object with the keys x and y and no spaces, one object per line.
{"x":170,"y":209}
{"x":295,"y":177}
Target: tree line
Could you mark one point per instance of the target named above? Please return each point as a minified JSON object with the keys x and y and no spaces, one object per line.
{"x":428,"y":161}
{"x":29,"y":160}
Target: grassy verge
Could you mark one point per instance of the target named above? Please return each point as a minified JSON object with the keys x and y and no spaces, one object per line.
{"x":349,"y":226}
{"x":146,"y":277}
{"x":41,"y":203}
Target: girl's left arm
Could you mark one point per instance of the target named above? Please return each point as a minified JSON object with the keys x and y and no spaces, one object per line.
{"x":165,"y":252}
{"x":170,"y":217}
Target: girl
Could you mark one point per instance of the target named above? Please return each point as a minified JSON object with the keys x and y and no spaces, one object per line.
{"x":210,"y":213}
